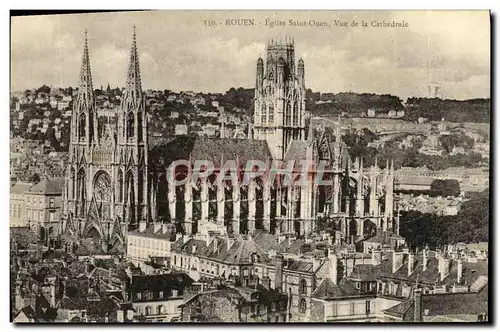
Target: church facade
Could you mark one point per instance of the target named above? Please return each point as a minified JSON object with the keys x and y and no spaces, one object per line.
{"x":118,"y":179}
{"x":107,"y":176}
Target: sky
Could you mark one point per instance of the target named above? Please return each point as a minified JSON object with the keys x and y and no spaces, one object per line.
{"x":179,"y":52}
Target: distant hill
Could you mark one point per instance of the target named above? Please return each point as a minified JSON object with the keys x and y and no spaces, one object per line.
{"x":354,"y":104}
{"x":434,"y":109}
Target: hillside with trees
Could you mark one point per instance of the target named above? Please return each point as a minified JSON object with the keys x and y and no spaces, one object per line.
{"x":470,"y":225}
{"x":434,"y":109}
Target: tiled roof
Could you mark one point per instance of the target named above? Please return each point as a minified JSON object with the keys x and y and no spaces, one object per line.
{"x":471,"y":271}
{"x":456,"y":303}
{"x":327,"y":290}
{"x":159,"y":282}
{"x":53,"y":186}
{"x":414,"y":180}
{"x":211,"y":149}
{"x":149,"y":232}
{"x":369,"y":272}
{"x":240,"y":252}
{"x":20,"y":187}
{"x":400,"y":309}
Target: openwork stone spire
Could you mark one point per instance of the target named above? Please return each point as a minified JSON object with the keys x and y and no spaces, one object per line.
{"x":133,"y":86}
{"x":86,"y":90}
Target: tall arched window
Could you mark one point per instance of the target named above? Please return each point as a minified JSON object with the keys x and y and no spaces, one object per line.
{"x":303,"y":286}
{"x":130,"y":187}
{"x":271,"y":114}
{"x":81,"y":180}
{"x":72,"y":180}
{"x":139,"y":127}
{"x":102,"y":193}
{"x":263,"y":114}
{"x":119,"y":195}
{"x":302,"y":306}
{"x":81,"y":127}
{"x":295,"y":114}
{"x":130,"y":125}
{"x":288,"y":115}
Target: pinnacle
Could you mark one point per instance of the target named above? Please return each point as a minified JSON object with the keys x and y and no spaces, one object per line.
{"x":85,"y":84}
{"x":133,"y":76}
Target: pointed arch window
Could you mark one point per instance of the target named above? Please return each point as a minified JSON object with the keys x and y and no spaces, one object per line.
{"x":120,"y":187}
{"x":271,"y":114}
{"x":130,"y":125}
{"x":302,"y":306}
{"x":81,"y":127}
{"x":295,"y":114}
{"x":130,"y":187}
{"x":81,"y":191}
{"x":139,"y":126}
{"x":288,"y":115}
{"x":263,"y":115}
{"x":72,"y":184}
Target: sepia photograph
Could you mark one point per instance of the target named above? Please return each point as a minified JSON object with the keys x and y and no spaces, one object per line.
{"x":273,"y":167}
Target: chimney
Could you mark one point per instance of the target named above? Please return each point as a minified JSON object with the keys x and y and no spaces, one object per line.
{"x":411,"y":263}
{"x":281,"y":238}
{"x":338,"y":238}
{"x":178,"y":236}
{"x":266,"y":282}
{"x":459,"y":271}
{"x":278,"y":274}
{"x":316,"y":263}
{"x":208,"y":238}
{"x":142,"y":226}
{"x":424,"y":259}
{"x":185,"y":238}
{"x":119,"y":316}
{"x":332,"y":266}
{"x":215,"y":242}
{"x":376,"y":256}
{"x":445,"y":268}
{"x":397,"y":260}
{"x":130,"y":314}
{"x":417,"y":316}
{"x":157,"y":227}
{"x":164,"y":228}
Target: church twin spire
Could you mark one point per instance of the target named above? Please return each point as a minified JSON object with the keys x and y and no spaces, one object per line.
{"x":133,"y":82}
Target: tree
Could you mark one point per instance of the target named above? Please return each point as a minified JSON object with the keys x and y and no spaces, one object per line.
{"x":35,"y":178}
{"x":445,"y":188}
{"x":44,"y":88}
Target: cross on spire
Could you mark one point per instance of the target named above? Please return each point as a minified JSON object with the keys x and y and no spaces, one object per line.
{"x":85,"y":84}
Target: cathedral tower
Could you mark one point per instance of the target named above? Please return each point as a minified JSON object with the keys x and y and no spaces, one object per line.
{"x":133,"y":144}
{"x":107,"y":183}
{"x":279,"y":115}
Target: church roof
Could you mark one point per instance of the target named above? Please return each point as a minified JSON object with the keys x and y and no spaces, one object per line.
{"x":182,"y":147}
{"x":297,"y":150}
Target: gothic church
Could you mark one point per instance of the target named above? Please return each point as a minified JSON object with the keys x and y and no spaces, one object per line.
{"x":117,"y":178}
{"x":107,"y":176}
